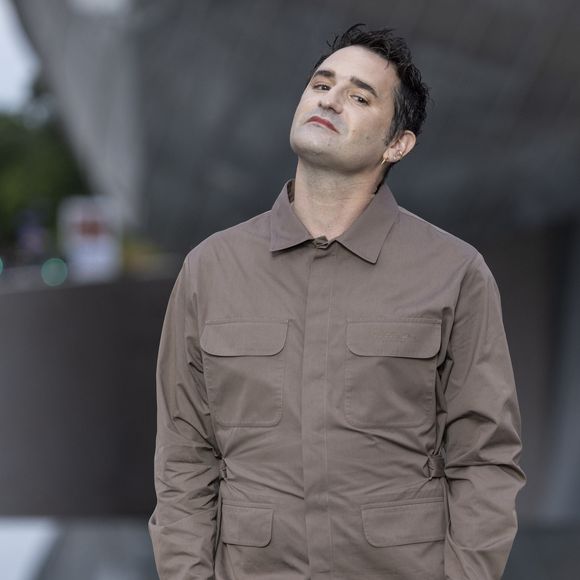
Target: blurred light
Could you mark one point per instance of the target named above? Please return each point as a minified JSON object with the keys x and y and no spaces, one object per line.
{"x":102,"y":7}
{"x":1,"y":266}
{"x":89,"y":238}
{"x":54,"y":271}
{"x":25,"y":544}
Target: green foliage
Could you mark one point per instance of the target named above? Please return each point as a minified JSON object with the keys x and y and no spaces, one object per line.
{"x":37,"y":170}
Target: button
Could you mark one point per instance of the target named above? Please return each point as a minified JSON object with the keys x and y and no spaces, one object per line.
{"x":321,"y":242}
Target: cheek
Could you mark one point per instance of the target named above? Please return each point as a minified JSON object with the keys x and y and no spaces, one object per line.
{"x":298,"y":113}
{"x":306,"y":107}
{"x":370,"y":134}
{"x":378,"y":130}
{"x":307,"y":104}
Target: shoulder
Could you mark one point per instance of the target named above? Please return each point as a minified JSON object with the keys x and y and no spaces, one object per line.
{"x":424,"y":231}
{"x":465,"y":258}
{"x":458,"y":259}
{"x":428,"y":237}
{"x":249,"y":233}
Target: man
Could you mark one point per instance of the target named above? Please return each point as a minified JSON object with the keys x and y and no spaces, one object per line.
{"x":335,"y":393}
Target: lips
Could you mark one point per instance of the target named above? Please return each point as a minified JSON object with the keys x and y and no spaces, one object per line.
{"x":324,"y":122}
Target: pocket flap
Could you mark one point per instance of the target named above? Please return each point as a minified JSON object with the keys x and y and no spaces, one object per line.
{"x":404,"y":338}
{"x":411,"y":523}
{"x":246,"y":525}
{"x":244,"y":338}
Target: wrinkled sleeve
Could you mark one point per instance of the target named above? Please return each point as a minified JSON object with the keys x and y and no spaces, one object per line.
{"x":183,"y":524}
{"x":482,"y":438}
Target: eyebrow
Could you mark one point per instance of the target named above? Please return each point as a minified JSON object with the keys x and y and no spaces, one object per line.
{"x":354,"y":80}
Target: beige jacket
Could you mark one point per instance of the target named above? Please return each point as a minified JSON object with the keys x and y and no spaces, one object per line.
{"x":339,"y":409}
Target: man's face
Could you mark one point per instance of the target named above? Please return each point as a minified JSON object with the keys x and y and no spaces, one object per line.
{"x":344,"y":114}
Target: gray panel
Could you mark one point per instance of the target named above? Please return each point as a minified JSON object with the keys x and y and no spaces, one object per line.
{"x":77,"y":398}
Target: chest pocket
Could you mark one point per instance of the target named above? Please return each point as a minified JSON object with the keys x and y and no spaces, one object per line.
{"x":390,"y":372}
{"x":244,"y":367}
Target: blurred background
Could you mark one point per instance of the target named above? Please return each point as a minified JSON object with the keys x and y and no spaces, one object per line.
{"x":130,"y":130}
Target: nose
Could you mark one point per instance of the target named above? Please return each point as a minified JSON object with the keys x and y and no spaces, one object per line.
{"x":331,"y":100}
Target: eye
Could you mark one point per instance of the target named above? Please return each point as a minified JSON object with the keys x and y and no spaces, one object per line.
{"x":360,"y":99}
{"x":321,"y":86}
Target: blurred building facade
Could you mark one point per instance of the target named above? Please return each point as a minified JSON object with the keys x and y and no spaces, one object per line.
{"x":181,"y":111}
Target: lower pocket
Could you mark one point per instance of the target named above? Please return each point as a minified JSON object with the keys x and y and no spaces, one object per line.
{"x":247,"y":547}
{"x":422,"y":520}
{"x":246,"y":525}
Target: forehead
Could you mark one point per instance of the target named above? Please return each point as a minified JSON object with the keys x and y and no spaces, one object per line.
{"x":362,"y":63}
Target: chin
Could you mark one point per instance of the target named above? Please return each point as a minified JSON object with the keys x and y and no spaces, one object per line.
{"x":309,"y":152}
{"x":308,"y":145}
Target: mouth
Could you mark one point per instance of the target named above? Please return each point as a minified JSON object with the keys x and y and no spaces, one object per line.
{"x":324,"y":122}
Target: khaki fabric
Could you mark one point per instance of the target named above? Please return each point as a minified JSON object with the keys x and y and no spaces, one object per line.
{"x":339,"y":409}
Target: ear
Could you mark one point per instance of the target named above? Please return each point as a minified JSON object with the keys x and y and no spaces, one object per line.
{"x":400,"y":146}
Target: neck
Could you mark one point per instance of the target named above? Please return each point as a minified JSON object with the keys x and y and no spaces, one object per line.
{"x":327,"y":203}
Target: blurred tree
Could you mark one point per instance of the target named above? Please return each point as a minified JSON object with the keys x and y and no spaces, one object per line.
{"x":37,"y":166}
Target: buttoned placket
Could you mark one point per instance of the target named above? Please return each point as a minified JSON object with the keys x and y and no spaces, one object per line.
{"x":319,"y":299}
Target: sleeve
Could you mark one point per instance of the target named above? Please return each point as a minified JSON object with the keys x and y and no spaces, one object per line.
{"x":183,"y":524}
{"x":482,"y":437}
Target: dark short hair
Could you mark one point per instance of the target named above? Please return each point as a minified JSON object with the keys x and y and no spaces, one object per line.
{"x":411,"y":95}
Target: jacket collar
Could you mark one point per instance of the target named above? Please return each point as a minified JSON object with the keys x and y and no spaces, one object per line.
{"x":365,"y":236}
